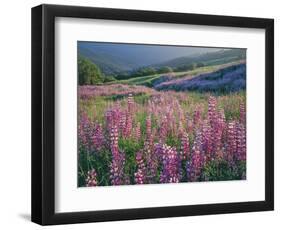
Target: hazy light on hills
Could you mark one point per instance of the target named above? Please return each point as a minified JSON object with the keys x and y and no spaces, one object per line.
{"x":144,"y":54}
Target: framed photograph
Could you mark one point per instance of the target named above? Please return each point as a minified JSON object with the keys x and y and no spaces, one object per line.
{"x":141,"y":114}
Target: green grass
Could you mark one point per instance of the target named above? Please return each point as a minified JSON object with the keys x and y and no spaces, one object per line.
{"x":139,"y":80}
{"x":99,"y":161}
{"x":221,"y":170}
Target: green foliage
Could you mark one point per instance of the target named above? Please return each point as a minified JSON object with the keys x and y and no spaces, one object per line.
{"x":88,"y":72}
{"x":143,"y":72}
{"x":123,"y":76}
{"x":185,"y":67}
{"x":142,"y":98}
{"x":109,"y":78}
{"x":165,"y":69}
{"x":173,"y":141}
{"x":100,"y":161}
{"x":200,"y":64}
{"x":130,"y":148}
{"x":219,"y":170}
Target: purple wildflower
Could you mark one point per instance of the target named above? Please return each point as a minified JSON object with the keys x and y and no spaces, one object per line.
{"x":141,"y":170}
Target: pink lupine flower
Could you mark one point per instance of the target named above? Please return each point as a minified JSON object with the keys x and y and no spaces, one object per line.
{"x":112,"y":118}
{"x":241,"y":142}
{"x":151,"y":168}
{"x":122,"y":123}
{"x":151,"y":162}
{"x":194,"y":166}
{"x":212,"y":110}
{"x":117,"y":170}
{"x":185,"y":148}
{"x":217,"y":133}
{"x":137,"y":132}
{"x":231,"y":141}
{"x":194,"y":170}
{"x":222,"y":123}
{"x":115,"y":177}
{"x":197,"y":116}
{"x":109,"y":119}
{"x":171,"y":170}
{"x":114,"y":142}
{"x":148,"y":130}
{"x":150,"y":158}
{"x":126,"y":119}
{"x":217,"y":122}
{"x":117,"y":113}
{"x":141,"y":170}
{"x":85,"y":132}
{"x":128,"y":126}
{"x":91,"y":179}
{"x":163,"y":132}
{"x":118,"y":106}
{"x":179,"y":112}
{"x":98,"y":137}
{"x":130,"y":103}
{"x":82,"y":138}
{"x":180,"y":130}
{"x":221,"y":119}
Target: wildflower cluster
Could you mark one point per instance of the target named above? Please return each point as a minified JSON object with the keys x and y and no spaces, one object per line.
{"x":160,"y":139}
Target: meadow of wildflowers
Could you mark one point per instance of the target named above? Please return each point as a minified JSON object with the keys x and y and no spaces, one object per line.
{"x":138,"y":135}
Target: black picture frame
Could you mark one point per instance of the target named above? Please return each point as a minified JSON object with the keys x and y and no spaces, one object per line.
{"x":43,"y":114}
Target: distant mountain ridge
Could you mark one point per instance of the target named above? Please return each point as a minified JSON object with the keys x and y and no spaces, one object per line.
{"x":113,"y":58}
{"x":210,"y":58}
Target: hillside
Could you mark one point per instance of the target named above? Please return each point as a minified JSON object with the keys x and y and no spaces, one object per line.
{"x":228,"y":79}
{"x":156,"y":79}
{"x":108,"y":63}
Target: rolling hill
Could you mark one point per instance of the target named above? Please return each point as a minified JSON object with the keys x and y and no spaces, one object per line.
{"x":231,"y":78}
